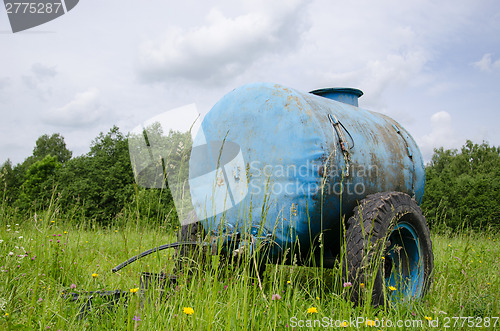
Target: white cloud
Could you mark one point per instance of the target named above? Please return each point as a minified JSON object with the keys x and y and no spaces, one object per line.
{"x":42,"y":71}
{"x":85,"y":109}
{"x":37,"y":80}
{"x":4,"y":85}
{"x":4,"y":82}
{"x":394,"y":69}
{"x":442,"y":135}
{"x":225,"y":46}
{"x":411,"y":58}
{"x":379,"y":45}
{"x":486,"y":63}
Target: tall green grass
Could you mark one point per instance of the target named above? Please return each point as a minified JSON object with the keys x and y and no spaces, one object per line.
{"x":47,"y":255}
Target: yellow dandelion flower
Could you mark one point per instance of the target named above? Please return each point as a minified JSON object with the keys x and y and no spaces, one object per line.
{"x":188,"y":310}
{"x":345,"y":324}
{"x":65,"y":232}
{"x":52,"y":221}
{"x":317,"y":298}
{"x":362,"y":285}
{"x":134,"y":290}
{"x":288,"y":282}
{"x":94,"y":275}
{"x":383,"y":258}
{"x":116,"y":230}
{"x":312,"y":310}
{"x":428,"y":318}
{"x":488,"y":283}
{"x":6,"y":315}
{"x":392,"y":288}
{"x":370,"y":323}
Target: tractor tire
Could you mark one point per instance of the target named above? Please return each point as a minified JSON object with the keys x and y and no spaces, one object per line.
{"x":388,"y":250}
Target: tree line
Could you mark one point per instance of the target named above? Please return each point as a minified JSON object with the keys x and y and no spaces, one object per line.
{"x":99,"y":184}
{"x":462,"y":187}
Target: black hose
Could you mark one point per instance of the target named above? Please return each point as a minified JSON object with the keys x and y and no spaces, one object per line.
{"x":152,"y":250}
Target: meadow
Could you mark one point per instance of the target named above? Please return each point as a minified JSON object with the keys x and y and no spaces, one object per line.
{"x":49,"y":255}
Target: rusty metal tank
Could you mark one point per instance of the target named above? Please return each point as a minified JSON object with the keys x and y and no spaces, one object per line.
{"x":285,"y":164}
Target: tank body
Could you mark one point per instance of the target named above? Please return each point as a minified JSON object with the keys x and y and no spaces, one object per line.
{"x":281,"y":163}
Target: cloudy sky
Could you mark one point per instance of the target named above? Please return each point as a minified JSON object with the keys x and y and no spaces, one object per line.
{"x":434,"y":66}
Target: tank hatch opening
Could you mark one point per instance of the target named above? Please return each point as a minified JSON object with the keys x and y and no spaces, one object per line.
{"x":342,"y":94}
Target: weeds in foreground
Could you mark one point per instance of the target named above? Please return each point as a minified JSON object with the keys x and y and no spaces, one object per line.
{"x":45,"y":257}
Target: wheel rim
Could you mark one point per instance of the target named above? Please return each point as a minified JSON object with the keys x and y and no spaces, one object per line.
{"x":403,"y":263}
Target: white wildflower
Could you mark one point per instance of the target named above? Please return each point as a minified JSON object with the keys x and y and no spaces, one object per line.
{"x":3,"y":302}
{"x":11,"y":253}
{"x":21,"y":237}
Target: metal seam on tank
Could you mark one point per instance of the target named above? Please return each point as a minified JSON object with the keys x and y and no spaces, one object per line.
{"x":295,"y":104}
{"x":305,"y":108}
{"x":398,"y":129}
{"x":421,"y":165}
{"x":328,"y":155}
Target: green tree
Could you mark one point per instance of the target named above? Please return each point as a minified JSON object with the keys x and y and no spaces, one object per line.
{"x":463,"y":187}
{"x":102,"y":181}
{"x":51,"y":145}
{"x":15,"y":177}
{"x":40,"y":181}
